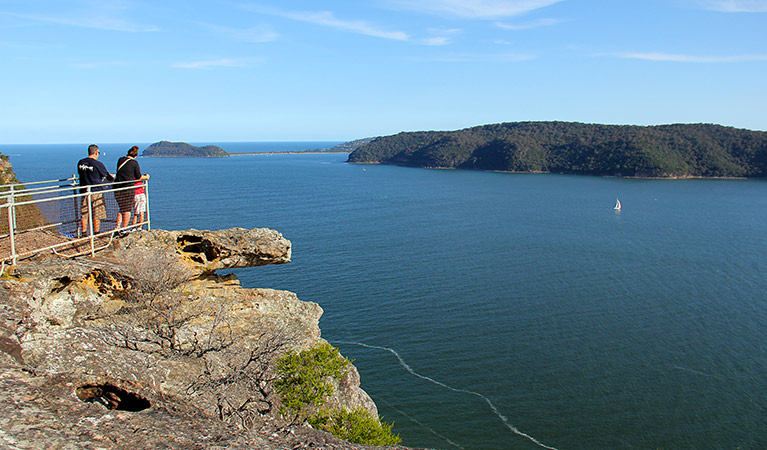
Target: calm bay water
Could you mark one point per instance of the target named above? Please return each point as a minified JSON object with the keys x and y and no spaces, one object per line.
{"x":504,"y":311}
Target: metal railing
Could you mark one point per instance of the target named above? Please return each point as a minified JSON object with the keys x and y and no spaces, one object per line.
{"x":57,"y":216}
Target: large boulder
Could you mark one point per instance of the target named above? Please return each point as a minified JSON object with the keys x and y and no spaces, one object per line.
{"x":208,"y":251}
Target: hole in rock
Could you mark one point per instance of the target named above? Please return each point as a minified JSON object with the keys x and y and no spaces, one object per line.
{"x":184,"y":239}
{"x":59,"y":284}
{"x":112,"y":397}
{"x":194,"y":244}
{"x":197,"y":259}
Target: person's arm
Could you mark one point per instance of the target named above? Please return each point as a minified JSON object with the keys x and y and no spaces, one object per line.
{"x":103,"y":173}
{"x":136,"y":170}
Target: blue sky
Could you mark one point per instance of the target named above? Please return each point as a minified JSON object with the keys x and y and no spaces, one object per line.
{"x":79,"y":71}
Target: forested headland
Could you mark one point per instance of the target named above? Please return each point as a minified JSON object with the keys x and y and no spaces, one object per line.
{"x":677,"y":150}
{"x":182,"y":149}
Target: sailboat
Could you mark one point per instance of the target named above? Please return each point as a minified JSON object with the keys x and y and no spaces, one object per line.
{"x":617,"y":205}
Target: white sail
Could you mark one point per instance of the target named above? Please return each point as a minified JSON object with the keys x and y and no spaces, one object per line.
{"x":617,"y":204}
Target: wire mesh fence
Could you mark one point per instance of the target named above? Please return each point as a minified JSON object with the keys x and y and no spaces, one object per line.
{"x":58,"y":216}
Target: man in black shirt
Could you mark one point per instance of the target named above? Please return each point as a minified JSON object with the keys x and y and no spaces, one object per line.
{"x":92,"y":172}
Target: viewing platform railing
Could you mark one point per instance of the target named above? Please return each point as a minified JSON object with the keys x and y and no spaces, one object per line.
{"x":45,"y":216}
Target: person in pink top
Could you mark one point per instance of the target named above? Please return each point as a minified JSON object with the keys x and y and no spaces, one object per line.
{"x":139,"y":204}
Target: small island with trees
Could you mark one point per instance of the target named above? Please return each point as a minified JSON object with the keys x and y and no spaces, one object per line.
{"x":664,"y":151}
{"x":183,"y":150}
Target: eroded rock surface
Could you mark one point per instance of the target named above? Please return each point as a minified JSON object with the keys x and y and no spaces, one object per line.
{"x":94,"y":355}
{"x":208,"y":251}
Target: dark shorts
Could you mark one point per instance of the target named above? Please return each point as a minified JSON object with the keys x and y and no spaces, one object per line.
{"x":124,"y":200}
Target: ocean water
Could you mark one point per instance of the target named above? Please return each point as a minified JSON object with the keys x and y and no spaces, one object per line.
{"x":505,"y":311}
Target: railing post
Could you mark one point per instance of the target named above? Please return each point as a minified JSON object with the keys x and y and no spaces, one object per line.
{"x":11,"y":225}
{"x":89,"y":199}
{"x":14,"y":209}
{"x":146,"y":192}
{"x":77,"y":203}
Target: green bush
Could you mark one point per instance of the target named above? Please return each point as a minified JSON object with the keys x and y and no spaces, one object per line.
{"x":357,"y":425}
{"x":305,"y":382}
{"x":305,"y":378}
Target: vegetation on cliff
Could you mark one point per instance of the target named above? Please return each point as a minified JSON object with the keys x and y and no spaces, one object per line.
{"x":355,"y":425}
{"x":26,"y":216}
{"x":182,"y":149}
{"x":678,"y":150}
{"x":7,"y":175}
{"x":305,"y":383}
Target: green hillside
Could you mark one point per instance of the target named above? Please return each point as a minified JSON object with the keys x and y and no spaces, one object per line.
{"x":679,"y":150}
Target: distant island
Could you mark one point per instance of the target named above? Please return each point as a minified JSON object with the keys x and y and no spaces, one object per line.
{"x":344,"y":147}
{"x":677,"y":150}
{"x":182,"y":149}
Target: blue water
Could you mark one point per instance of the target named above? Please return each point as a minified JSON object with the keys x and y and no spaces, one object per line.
{"x":506,"y":311}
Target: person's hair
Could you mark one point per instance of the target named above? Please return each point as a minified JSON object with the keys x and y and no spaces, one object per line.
{"x":133,"y":151}
{"x":93,"y":149}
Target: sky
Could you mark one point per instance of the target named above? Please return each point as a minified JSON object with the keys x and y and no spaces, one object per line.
{"x":106,"y":71}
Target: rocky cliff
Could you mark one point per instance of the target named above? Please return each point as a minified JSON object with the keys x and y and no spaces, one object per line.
{"x":146,"y":346}
{"x":7,"y":175}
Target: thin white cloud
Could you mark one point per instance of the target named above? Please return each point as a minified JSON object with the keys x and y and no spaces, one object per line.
{"x":100,"y":15}
{"x":99,"y":65}
{"x":671,"y":57}
{"x":437,"y":41}
{"x":734,"y":6}
{"x":435,"y":36}
{"x":528,"y":25}
{"x":209,"y":64}
{"x":445,"y":30}
{"x":440,"y":36}
{"x":253,"y":35}
{"x":483,"y":58}
{"x":328,"y":19}
{"x":474,"y":9}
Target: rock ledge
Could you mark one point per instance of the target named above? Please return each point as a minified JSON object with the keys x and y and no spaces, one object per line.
{"x":89,"y":358}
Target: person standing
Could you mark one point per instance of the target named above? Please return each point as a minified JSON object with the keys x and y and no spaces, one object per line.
{"x":139,"y":205}
{"x":92,"y":172}
{"x":127,"y":170}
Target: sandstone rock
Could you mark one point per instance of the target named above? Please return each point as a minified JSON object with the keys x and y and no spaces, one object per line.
{"x":78,"y":337}
{"x":208,"y":251}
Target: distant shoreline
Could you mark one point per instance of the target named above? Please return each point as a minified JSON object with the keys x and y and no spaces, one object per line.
{"x":292,"y":152}
{"x":543,"y":172}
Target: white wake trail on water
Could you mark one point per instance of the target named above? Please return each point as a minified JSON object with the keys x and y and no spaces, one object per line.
{"x":407,"y":367}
